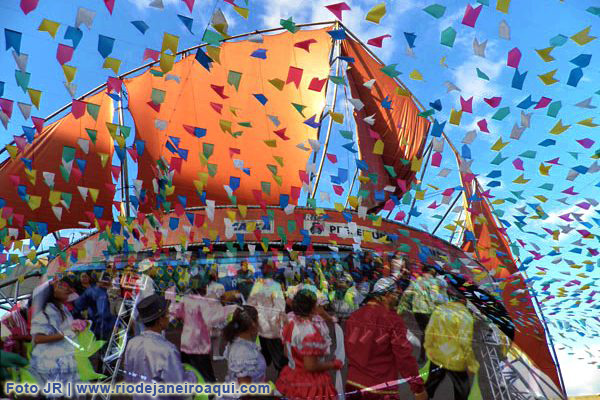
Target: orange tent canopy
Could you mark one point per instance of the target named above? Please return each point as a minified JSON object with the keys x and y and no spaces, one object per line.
{"x":67,"y":178}
{"x":238,"y":129}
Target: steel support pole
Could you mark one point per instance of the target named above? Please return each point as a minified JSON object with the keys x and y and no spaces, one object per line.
{"x":124,"y":171}
{"x":447,"y":212}
{"x":428,"y":151}
{"x":329,"y":126}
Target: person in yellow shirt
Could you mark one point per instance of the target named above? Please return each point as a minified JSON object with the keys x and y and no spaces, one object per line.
{"x":448,"y":345}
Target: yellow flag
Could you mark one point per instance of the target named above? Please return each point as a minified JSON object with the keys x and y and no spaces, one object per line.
{"x":376,"y":13}
{"x":337,"y":117}
{"x":499,"y":145}
{"x":455,"y":117}
{"x":12,"y":150}
{"x":54,"y":197}
{"x":49,"y":26}
{"x":31,"y":175}
{"x":415,"y":75}
{"x":378,"y":147}
{"x":521,"y":180}
{"x":271,"y":143}
{"x":37,"y":239}
{"x":544,"y":169}
{"x":353,"y":201}
{"x":166,"y":62}
{"x":588,"y":122}
{"x":35,"y":96}
{"x":545,"y":54}
{"x":170,"y":42}
{"x":112,"y":63}
{"x":93,"y":193}
{"x":103,"y":159}
{"x":34,"y":202}
{"x":243,"y":210}
{"x":339,"y":207}
{"x":69,"y":72}
{"x":548,"y":78}
{"x":559,"y":128}
{"x":502,"y":6}
{"x":244,"y":12}
{"x":583,"y":37}
{"x":231,"y":215}
{"x":214,"y":53}
{"x":402,"y":91}
{"x":415,"y":164}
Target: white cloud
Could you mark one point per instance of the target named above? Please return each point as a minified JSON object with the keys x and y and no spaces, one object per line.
{"x":143,"y":4}
{"x":581,"y":375}
{"x":465,"y":77}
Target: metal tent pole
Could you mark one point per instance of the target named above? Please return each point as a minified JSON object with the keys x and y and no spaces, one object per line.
{"x":447,"y":212}
{"x":124,"y":171}
{"x":329,"y":126}
{"x":429,"y":150}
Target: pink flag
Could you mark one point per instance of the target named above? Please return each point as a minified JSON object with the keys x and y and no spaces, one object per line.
{"x":482,"y":124}
{"x":189,"y":3}
{"x":336,"y":9}
{"x":471,"y":15}
{"x":281,"y":134}
{"x":544,"y":101}
{"x":518,"y":164}
{"x":493,"y":101}
{"x":436,"y":159}
{"x":110,"y":4}
{"x":64,"y":53}
{"x":114,"y":84}
{"x":466,"y":105}
{"x":6,"y":106}
{"x":220,"y":90}
{"x":378,"y":41}
{"x":294,"y":76}
{"x":28,"y":5}
{"x":332,"y":158}
{"x":149,"y":53}
{"x":305,"y":44}
{"x":38,"y":123}
{"x":78,"y":108}
{"x":317,"y":84}
{"x":514,"y":58}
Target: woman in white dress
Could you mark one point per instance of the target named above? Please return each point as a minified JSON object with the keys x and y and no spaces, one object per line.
{"x":245,"y":362}
{"x":53,"y":355}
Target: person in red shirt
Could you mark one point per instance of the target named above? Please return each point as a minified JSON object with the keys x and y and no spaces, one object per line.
{"x":377,"y":348}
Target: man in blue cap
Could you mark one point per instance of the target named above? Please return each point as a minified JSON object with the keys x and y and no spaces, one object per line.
{"x":150,"y":357}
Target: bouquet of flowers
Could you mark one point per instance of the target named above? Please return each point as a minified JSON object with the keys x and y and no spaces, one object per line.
{"x":79,"y":325}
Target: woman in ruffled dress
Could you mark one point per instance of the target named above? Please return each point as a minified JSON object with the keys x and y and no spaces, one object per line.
{"x":245,"y":362}
{"x":53,"y":355}
{"x":307,"y":345}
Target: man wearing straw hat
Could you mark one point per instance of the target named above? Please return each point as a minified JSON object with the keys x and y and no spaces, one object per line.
{"x":377,"y":348}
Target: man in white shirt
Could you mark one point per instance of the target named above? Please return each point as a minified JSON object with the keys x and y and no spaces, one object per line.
{"x":267,"y":297}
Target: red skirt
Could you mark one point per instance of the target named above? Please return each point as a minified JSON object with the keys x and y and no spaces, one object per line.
{"x":296,"y":384}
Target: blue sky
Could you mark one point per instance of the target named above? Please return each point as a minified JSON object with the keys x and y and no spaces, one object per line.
{"x":533,"y":25}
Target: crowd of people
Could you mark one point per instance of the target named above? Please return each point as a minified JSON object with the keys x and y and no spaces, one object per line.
{"x":317,"y":329}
